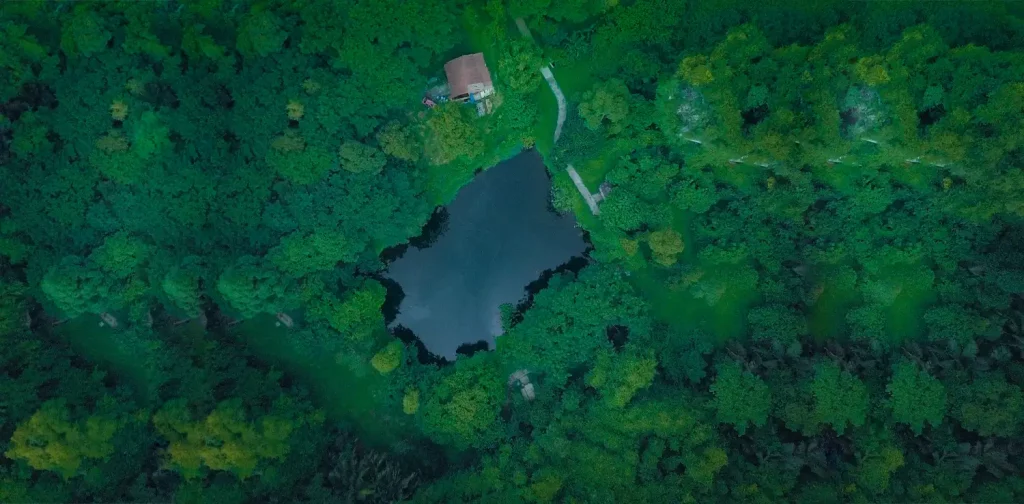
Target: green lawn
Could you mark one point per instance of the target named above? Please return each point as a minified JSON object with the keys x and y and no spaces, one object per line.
{"x":574,"y":79}
{"x":113,"y":350}
{"x":547,"y":119}
{"x":828,"y":315}
{"x":594,"y":171}
{"x":723,"y":321}
{"x":905,"y":317}
{"x":475,"y":23}
{"x":348,"y":391}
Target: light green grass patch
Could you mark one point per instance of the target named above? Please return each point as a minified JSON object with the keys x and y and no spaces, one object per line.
{"x":347,"y":390}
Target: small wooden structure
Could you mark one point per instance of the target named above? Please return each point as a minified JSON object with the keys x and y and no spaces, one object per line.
{"x":522,"y":379}
{"x":470,"y":80}
{"x":109,"y":320}
{"x":284,"y":319}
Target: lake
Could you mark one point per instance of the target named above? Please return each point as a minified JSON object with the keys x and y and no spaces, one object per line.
{"x":500,"y":235}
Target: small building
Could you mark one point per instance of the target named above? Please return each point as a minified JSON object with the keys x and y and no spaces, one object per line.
{"x":522,"y":379}
{"x":470,"y":80}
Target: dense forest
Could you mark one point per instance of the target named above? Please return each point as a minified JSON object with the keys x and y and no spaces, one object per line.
{"x":804,"y":285}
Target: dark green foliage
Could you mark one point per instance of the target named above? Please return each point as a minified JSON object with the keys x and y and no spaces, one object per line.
{"x":776,"y":323}
{"x":989,"y":406}
{"x":916,"y":397}
{"x":360,"y":474}
{"x":577,"y":141}
{"x":804,"y":284}
{"x":839,"y":398}
{"x":740,"y":397}
{"x":568,"y":323}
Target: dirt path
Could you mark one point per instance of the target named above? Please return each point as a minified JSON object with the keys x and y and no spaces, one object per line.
{"x":525,"y":30}
{"x":560,"y":97}
{"x":582,"y":188}
{"x":553,"y":84}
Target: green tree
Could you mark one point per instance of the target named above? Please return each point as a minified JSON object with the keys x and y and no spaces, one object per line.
{"x":451,"y":135}
{"x":916,"y":397}
{"x":252,"y":288}
{"x":606,"y":104}
{"x":696,"y":195}
{"x":121,"y":254}
{"x":52,"y":441}
{"x":840,"y":399}
{"x":76,"y":287}
{"x":114,"y":159}
{"x":181,"y":285}
{"x":388,"y":358}
{"x":776,"y":323}
{"x":988,"y":405}
{"x":12,"y":306}
{"x":519,"y":66}
{"x":83,"y":32}
{"x":702,"y":468}
{"x":300,"y":254}
{"x":666,"y":245}
{"x":868,"y":322}
{"x":411,"y":402}
{"x":400,"y":141}
{"x":878,"y":458}
{"x":567,"y":326}
{"x":740,"y":398}
{"x":225,"y":440}
{"x":29,"y":140}
{"x":20,"y":49}
{"x":357,"y":314}
{"x":463,"y":407}
{"x":956,"y":323}
{"x":197,"y":43}
{"x":298,"y":162}
{"x":625,"y":212}
{"x":149,"y":135}
{"x":260,"y":33}
{"x":620,"y":377}
{"x":358,"y":157}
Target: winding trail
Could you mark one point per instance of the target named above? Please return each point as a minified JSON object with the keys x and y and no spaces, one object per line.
{"x":560,"y":97}
{"x":550,"y":78}
{"x":553,"y":84}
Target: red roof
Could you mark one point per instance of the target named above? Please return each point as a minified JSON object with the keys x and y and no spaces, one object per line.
{"x":465,"y":71}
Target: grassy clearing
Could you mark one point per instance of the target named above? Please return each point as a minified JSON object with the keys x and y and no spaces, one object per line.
{"x":574,"y":78}
{"x":668,"y":305}
{"x":905,"y":315}
{"x":828,"y":315}
{"x":348,"y":391}
{"x":547,"y":119}
{"x":108,"y":348}
{"x":476,"y":24}
{"x":679,"y":308}
{"x":682,"y":223}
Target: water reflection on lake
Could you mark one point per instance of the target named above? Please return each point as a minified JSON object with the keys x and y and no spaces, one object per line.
{"x":500,"y":235}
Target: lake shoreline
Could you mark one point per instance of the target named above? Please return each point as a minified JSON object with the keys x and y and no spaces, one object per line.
{"x":479,"y":252}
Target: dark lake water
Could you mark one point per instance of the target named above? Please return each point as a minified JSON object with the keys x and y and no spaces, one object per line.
{"x":499,"y":236}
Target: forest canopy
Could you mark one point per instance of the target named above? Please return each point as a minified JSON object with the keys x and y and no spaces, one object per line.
{"x":804,"y":283}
